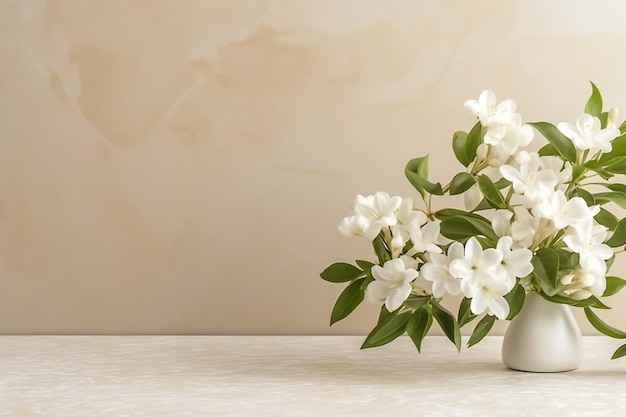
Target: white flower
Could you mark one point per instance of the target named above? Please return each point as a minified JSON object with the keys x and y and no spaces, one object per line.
{"x":420,"y":285}
{"x":501,"y":222}
{"x":483,"y":279}
{"x":405,"y":216}
{"x":563,"y":170}
{"x":581,"y":284}
{"x":516,"y":136}
{"x":493,"y":116}
{"x":497,"y":157}
{"x":587,"y":240}
{"x":353,"y":225}
{"x":437,"y":271}
{"x":425,"y":238}
{"x":409,"y":262}
{"x":524,"y":228}
{"x":530,"y":180}
{"x":564,"y":212}
{"x":521,"y":230}
{"x":515,"y":262}
{"x":488,"y":295}
{"x":477,"y":264}
{"x":378,"y":211}
{"x":392,"y":284}
{"x":588,"y":134}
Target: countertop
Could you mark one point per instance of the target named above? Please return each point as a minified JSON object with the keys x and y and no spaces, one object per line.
{"x":292,"y":376}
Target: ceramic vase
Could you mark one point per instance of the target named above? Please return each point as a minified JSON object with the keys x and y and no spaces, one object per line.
{"x":543,"y":337}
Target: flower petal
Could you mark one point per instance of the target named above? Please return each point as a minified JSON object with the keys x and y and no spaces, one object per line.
{"x":397,"y":296}
{"x":498,"y":306}
{"x":479,"y":303}
{"x":376,"y":292}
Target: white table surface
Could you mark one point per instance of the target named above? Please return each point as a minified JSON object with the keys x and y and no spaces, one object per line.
{"x":292,"y":376}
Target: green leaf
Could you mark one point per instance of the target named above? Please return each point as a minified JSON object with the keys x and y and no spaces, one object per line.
{"x":617,"y":166}
{"x":594,"y":104}
{"x":502,"y":183}
{"x":616,"y":187}
{"x":548,"y":150}
{"x":618,"y":150}
{"x":560,"y":299}
{"x":418,"y":326}
{"x":598,"y":169}
{"x":459,"y":143}
{"x":602,"y":327}
{"x":341,"y":272}
{"x":459,"y":224}
{"x":622,"y":127}
{"x":461,"y":183}
{"x":609,"y":262}
{"x":451,"y":212}
{"x":390,"y":328}
{"x":613,"y":286}
{"x":486,"y":243}
{"x":619,"y":236}
{"x":481,"y":330}
{"x":567,"y":261}
{"x":584,"y":194}
{"x":474,"y":139}
{"x":611,"y":197}
{"x":380,"y":248}
{"x":592,"y":301}
{"x":364,"y":265}
{"x":606,"y":218}
{"x":490,"y":192}
{"x":415,"y":303}
{"x":348,"y":300}
{"x":546,"y":268}
{"x":621,"y":351}
{"x":604,"y":119}
{"x":383,"y":315}
{"x":516,"y":299}
{"x":465,"y":314}
{"x":483,"y":205}
{"x":577,"y":172}
{"x":459,"y":228}
{"x":448,"y":324}
{"x":561,"y":143}
{"x":416,"y":172}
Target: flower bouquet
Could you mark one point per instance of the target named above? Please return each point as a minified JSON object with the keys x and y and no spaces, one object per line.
{"x":534,"y":222}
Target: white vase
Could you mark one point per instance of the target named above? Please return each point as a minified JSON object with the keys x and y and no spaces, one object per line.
{"x":543,"y":337}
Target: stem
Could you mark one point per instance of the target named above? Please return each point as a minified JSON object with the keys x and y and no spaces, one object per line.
{"x":429,"y":211}
{"x":507,"y":200}
{"x":584,"y":157}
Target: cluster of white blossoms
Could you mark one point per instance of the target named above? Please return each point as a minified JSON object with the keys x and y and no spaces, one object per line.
{"x":541,"y":206}
{"x":418,"y":264}
{"x":539,"y":214}
{"x":400,"y":224}
{"x":505,"y":133}
{"x":484,"y":275}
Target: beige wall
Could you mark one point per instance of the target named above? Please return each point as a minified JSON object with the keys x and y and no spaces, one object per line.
{"x":181,"y":166}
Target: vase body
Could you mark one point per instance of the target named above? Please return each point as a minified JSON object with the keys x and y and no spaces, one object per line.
{"x":543,"y":337}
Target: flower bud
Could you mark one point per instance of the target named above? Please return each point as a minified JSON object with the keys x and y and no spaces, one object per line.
{"x":482,"y":150}
{"x":612,"y":117}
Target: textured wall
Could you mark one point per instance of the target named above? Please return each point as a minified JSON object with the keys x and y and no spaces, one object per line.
{"x":181,"y":166}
